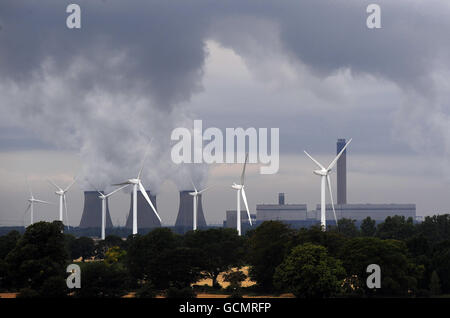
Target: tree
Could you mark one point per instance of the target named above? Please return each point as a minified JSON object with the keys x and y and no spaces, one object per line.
{"x":235,"y":278}
{"x":347,"y":227}
{"x":368,"y":227}
{"x":441,"y":264}
{"x":83,"y":247}
{"x":220,"y":250}
{"x":435,"y":286}
{"x":399,"y":274}
{"x":110,"y":241}
{"x":146,"y":253}
{"x":309,"y":272}
{"x":435,"y":228}
{"x":8,"y":242}
{"x":114,"y":255}
{"x":99,"y":279}
{"x":396,"y":227}
{"x":268,"y":245}
{"x":38,"y":255}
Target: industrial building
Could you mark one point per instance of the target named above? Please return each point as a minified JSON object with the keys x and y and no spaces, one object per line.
{"x":146,"y":218}
{"x":358,"y":212}
{"x":231,"y":220}
{"x":92,"y":211}
{"x":185,"y":217}
{"x":281,"y":211}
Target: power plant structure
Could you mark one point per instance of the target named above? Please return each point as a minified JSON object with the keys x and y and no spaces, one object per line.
{"x":146,"y":218}
{"x":341,"y":172}
{"x":92,"y":211}
{"x":185,"y":217}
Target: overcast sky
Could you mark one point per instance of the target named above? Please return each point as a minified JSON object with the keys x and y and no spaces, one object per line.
{"x":86,"y":102}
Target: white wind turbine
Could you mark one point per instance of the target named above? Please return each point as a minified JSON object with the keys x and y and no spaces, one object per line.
{"x":136,"y":182}
{"x":240,"y":190}
{"x":324,"y":173}
{"x":195,"y":200}
{"x":31,"y":201}
{"x":103,"y":197}
{"x":62,"y":199}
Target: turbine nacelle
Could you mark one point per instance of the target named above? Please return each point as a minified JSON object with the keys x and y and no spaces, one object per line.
{"x":321,"y":172}
{"x":237,"y":186}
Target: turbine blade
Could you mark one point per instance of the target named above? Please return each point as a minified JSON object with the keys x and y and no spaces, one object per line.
{"x":337,"y":157}
{"x":29,"y":187}
{"x":52,"y":183}
{"x":194,"y":185}
{"x":28,"y":208}
{"x":118,"y":189}
{"x":204,"y":189}
{"x":331,"y":198}
{"x":42,"y":201}
{"x":120,"y":184}
{"x":145,"y":158}
{"x":73,"y":182}
{"x":144,"y":193}
{"x":65,"y":208}
{"x":243,"y":169}
{"x":244,"y":197}
{"x":315,"y":161}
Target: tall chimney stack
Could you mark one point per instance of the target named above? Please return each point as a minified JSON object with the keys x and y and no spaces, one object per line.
{"x":280,"y":198}
{"x":341,"y":173}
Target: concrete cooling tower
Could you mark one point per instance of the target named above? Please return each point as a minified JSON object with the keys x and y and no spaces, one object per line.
{"x":146,"y":218}
{"x":185,"y":219}
{"x":92,"y":211}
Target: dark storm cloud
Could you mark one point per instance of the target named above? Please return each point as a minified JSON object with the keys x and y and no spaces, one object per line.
{"x":97,"y":89}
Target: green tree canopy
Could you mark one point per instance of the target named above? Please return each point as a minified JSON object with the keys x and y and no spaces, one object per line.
{"x":399,"y":275}
{"x":220,"y":249}
{"x":368,"y":227}
{"x":268,"y":245}
{"x":396,"y":227}
{"x":38,"y":255}
{"x":308,"y":271}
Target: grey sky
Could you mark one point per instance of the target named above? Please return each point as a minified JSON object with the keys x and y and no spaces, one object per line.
{"x":87,"y":101}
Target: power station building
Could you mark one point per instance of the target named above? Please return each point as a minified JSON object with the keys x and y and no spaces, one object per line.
{"x":281,"y":211}
{"x":185,"y":217}
{"x":92,"y":211}
{"x":146,"y":218}
{"x":358,"y":212}
{"x":231,"y":220}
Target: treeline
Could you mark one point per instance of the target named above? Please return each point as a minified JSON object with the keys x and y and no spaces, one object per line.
{"x":414,"y":260}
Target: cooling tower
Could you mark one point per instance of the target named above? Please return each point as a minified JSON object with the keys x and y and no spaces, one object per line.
{"x":92,"y":211}
{"x":185,"y":221}
{"x":341,"y":173}
{"x":146,"y":218}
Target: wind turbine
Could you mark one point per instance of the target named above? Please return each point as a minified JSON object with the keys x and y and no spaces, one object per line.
{"x":195,"y":200}
{"x":62,"y":198}
{"x":31,"y":201}
{"x":103,"y":197}
{"x":136,"y":182}
{"x":241,"y":191}
{"x":324,"y":174}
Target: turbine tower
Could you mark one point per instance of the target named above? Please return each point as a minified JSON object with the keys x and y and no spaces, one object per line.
{"x":324,"y":174}
{"x":103,"y":197}
{"x":31,"y":201}
{"x":136,"y":183}
{"x":195,"y":204}
{"x":62,"y":199}
{"x":240,"y":191}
